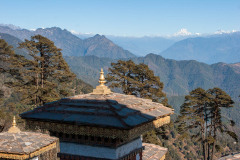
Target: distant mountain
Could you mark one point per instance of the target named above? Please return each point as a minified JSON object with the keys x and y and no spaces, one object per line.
{"x":212,"y":49}
{"x":103,"y":47}
{"x":13,"y":41}
{"x":142,"y":46}
{"x":180,"y":77}
{"x":19,"y":33}
{"x":71,"y":45}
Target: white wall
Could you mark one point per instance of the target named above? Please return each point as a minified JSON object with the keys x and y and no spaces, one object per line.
{"x":101,"y":152}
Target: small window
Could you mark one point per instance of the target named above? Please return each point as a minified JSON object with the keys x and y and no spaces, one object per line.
{"x":99,"y":139}
{"x":73,"y":136}
{"x":67,"y":136}
{"x":60,"y":135}
{"x":114,"y":140}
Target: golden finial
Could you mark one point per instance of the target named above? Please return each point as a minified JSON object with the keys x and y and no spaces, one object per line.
{"x":101,"y":89}
{"x":14,"y":128}
{"x":14,"y":124}
{"x":102,"y":78}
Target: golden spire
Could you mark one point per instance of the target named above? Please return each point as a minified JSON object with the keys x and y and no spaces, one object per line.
{"x":102,"y":78}
{"x":101,"y":89}
{"x":14,"y":128}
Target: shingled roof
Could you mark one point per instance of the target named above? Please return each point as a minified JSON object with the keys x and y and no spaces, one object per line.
{"x":16,"y":144}
{"x":24,"y":142}
{"x":153,"y":152}
{"x":104,"y":110}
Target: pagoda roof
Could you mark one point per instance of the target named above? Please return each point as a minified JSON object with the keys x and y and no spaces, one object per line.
{"x":112,"y":110}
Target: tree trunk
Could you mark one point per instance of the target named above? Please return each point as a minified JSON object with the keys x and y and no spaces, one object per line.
{"x":36,"y":96}
{"x":214,"y":135}
{"x":208,"y":156}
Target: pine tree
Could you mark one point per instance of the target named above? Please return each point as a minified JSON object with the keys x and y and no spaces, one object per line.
{"x":136,"y":79}
{"x":201,"y":118}
{"x":9,"y":67}
{"x":194,"y":115}
{"x":121,"y":75}
{"x":147,"y":85}
{"x":218,"y":99}
{"x":47,"y":74}
{"x":6,"y":52}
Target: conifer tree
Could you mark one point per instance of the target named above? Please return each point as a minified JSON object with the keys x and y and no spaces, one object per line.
{"x":194,"y":115}
{"x":47,"y":74}
{"x":136,"y":79}
{"x":6,"y":52}
{"x":121,"y":75}
{"x":218,"y":99}
{"x":9,"y":66}
{"x":201,"y":118}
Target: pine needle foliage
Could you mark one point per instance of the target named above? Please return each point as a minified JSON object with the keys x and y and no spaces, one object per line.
{"x":200,"y":118}
{"x":136,"y":79}
{"x":46,"y":74}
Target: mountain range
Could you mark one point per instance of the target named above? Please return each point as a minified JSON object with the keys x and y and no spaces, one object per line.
{"x":179,"y":77}
{"x":210,"y":49}
{"x":72,"y":45}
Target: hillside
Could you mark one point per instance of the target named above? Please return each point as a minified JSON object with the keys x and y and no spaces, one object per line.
{"x":72,"y":45}
{"x":179,"y":77}
{"x":212,"y":49}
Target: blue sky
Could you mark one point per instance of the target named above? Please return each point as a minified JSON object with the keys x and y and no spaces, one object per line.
{"x":124,"y":17}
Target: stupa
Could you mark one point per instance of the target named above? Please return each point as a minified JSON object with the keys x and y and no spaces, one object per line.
{"x":99,"y":125}
{"x":15,"y":144}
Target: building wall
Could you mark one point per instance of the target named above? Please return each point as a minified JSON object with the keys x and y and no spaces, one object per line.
{"x":133,"y":156}
{"x":49,"y":155}
{"x":100,"y":152}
